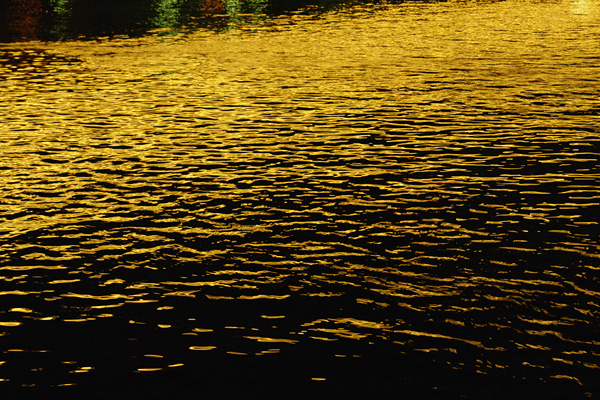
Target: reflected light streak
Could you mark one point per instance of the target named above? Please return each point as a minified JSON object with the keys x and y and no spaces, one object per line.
{"x":584,"y":7}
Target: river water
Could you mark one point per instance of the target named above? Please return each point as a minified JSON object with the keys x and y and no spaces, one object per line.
{"x":393,"y":199}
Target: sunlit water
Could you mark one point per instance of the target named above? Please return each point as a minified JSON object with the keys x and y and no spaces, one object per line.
{"x":399,"y":200}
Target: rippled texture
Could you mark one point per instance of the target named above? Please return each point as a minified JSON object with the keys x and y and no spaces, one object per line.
{"x":389,"y":200}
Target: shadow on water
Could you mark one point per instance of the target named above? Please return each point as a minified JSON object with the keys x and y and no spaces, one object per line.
{"x":48,"y":20}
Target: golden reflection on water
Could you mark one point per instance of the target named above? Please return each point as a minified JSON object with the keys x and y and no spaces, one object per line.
{"x":584,"y":7}
{"x":420,"y":179}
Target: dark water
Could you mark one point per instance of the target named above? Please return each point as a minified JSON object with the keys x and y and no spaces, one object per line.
{"x":23,"y":20}
{"x":394,"y":200}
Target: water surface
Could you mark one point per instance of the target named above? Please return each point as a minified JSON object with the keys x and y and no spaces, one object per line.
{"x":396,"y":199}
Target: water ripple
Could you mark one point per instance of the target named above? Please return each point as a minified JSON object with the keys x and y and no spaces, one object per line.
{"x":410,"y":192}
